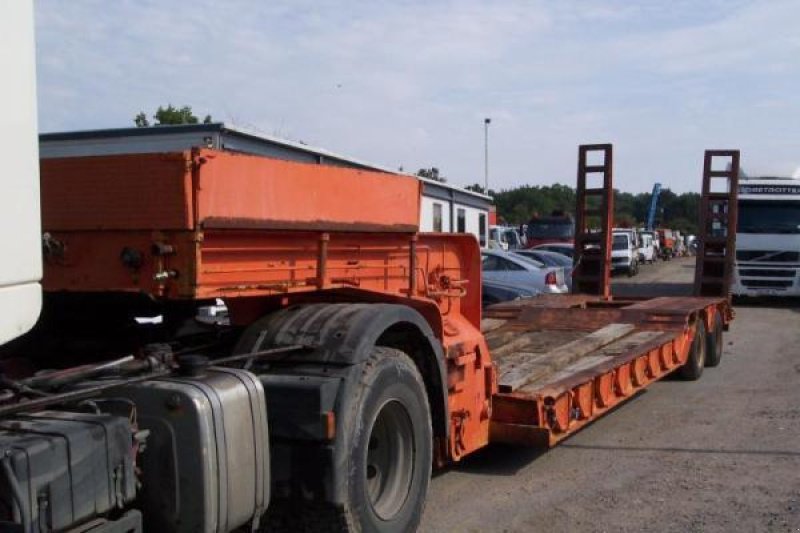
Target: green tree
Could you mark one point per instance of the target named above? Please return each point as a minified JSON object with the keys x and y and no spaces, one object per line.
{"x":431,"y":174}
{"x":475,"y":187}
{"x":170,"y":115}
{"x":141,"y":120}
{"x":518,"y":205}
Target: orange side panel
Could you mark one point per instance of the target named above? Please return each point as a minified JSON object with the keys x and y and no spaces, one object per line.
{"x":119,"y":192}
{"x":244,"y":191}
{"x":91,"y":261}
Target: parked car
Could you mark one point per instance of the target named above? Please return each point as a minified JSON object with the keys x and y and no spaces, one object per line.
{"x":624,"y":253}
{"x":550,"y":259}
{"x":495,"y":292}
{"x":520,"y":271}
{"x":562,"y":248}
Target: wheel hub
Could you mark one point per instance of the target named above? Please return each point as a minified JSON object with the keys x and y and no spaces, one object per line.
{"x":390,"y":460}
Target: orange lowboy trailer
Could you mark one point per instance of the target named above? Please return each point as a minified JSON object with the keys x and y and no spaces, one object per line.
{"x":367,"y":335}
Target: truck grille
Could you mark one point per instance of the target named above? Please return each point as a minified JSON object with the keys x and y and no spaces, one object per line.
{"x":766,"y":273}
{"x":769,"y":283}
{"x":772,"y":256}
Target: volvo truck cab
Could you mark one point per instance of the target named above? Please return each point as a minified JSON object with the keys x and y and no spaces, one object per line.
{"x":768,"y":238}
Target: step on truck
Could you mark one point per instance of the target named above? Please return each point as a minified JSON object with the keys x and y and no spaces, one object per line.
{"x":353,"y":359}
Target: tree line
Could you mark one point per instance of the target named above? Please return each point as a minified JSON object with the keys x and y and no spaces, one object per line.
{"x":675,"y":211}
{"x":516,"y":206}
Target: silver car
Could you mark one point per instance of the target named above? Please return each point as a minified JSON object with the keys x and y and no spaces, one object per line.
{"x":550,"y":259}
{"x":521,"y":271}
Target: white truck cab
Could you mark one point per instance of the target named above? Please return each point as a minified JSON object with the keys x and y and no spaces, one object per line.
{"x":646,"y":250}
{"x":504,"y":238}
{"x":768,"y":238}
{"x":20,"y":233}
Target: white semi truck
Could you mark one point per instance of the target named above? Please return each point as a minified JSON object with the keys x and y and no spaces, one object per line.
{"x":768,"y":238}
{"x":20,"y":236}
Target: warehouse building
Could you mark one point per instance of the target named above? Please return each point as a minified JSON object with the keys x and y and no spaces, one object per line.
{"x":445,"y":208}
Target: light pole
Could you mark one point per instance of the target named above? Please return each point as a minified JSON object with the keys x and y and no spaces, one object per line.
{"x":486,"y":123}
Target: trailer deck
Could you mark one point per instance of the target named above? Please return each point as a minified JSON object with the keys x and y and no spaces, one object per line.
{"x":563,"y":361}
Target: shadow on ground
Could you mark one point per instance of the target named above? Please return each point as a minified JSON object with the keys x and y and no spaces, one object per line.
{"x":708,"y":451}
{"x":776,"y":302}
{"x":508,"y":459}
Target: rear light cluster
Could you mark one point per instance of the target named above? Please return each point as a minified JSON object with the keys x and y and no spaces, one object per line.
{"x":550,"y":279}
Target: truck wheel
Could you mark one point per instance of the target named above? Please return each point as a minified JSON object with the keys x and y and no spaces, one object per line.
{"x":692,"y":369}
{"x":714,"y":343}
{"x":390,"y":458}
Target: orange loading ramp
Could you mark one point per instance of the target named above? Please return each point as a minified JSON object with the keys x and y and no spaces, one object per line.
{"x":565,"y":361}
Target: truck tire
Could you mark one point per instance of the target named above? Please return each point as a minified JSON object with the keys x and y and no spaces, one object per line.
{"x":692,"y":369}
{"x":714,"y":343}
{"x":390,"y":457}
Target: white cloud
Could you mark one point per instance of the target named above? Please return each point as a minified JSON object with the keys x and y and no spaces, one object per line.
{"x":410,"y":82}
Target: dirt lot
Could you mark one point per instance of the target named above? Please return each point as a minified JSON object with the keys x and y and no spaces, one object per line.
{"x":720,"y":454}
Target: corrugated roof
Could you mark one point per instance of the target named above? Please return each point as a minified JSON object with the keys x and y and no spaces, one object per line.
{"x":240,"y":132}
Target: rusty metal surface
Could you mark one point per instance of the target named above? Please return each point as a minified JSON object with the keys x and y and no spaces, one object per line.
{"x":592,"y":257}
{"x":120,"y":192}
{"x":93,"y":261}
{"x":311,"y":225}
{"x":113,"y":218}
{"x":547,"y":410}
{"x":245,"y":188}
{"x":716,"y":253}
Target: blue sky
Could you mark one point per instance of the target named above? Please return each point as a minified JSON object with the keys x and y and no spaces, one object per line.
{"x":410,"y":82}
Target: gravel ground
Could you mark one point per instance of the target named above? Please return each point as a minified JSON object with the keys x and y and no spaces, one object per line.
{"x":721,"y":454}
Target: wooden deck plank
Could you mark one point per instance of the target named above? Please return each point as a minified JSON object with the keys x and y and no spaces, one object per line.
{"x":560,"y":357}
{"x":491,"y":324}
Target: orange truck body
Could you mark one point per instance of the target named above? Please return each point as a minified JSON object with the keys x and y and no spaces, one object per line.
{"x":667,"y":238}
{"x":263,"y":234}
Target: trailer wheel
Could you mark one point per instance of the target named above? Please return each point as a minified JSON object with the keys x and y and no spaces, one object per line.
{"x":714,"y":343}
{"x":390,"y":455}
{"x":692,"y":369}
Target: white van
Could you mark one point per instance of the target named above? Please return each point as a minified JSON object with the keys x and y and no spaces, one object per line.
{"x":624,"y":253}
{"x":647,"y":251}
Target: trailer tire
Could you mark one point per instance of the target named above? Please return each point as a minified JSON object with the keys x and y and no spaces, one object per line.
{"x":714,"y":343}
{"x":692,"y":369}
{"x":390,"y":454}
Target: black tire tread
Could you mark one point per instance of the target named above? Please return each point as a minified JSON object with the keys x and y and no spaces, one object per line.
{"x":324,"y":517}
{"x":713,"y":349}
{"x":691,"y":370}
{"x":378,"y":355}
